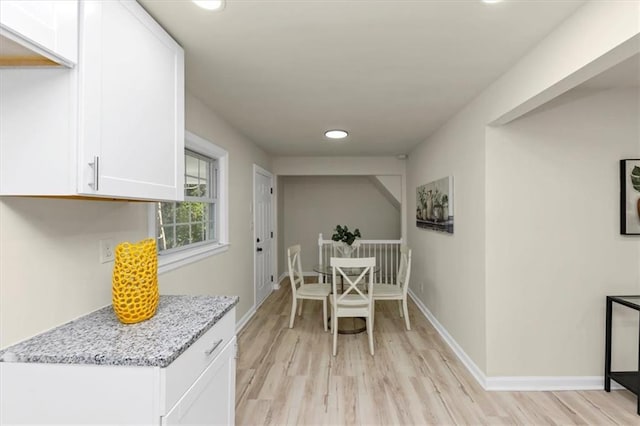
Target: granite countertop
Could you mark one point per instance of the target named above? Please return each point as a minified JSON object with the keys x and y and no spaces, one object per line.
{"x":99,"y":338}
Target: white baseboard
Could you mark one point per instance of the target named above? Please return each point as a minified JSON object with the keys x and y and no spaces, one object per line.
{"x":245,"y":319}
{"x":515,"y":383}
{"x":541,"y":383}
{"x":457,"y":349}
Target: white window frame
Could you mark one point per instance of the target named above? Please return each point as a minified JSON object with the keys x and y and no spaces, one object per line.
{"x":176,"y":259}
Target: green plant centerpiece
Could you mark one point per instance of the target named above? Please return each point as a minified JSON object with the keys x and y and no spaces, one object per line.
{"x":342,"y":233}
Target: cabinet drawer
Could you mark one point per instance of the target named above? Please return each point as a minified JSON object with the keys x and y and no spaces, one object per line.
{"x":184,"y":371}
{"x":211,"y":399}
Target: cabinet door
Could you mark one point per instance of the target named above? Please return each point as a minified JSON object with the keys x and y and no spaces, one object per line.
{"x":50,"y":28}
{"x":131,"y":111}
{"x":211,"y":399}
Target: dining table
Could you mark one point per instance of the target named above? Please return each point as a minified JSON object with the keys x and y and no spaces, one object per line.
{"x":348,"y":325}
{"x":327,"y":271}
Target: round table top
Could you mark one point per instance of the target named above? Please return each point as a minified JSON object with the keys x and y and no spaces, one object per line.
{"x":325,"y":269}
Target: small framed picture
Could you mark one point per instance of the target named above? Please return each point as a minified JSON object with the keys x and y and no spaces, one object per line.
{"x":434,"y":205}
{"x":630,"y":196}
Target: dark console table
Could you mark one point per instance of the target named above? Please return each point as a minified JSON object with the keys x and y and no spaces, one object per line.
{"x":628,"y":379}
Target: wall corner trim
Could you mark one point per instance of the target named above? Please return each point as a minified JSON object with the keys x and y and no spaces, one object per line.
{"x":514,"y":383}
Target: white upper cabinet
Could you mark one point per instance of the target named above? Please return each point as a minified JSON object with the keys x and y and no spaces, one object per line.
{"x":131,"y":104}
{"x":111,"y":127}
{"x":38,"y":32}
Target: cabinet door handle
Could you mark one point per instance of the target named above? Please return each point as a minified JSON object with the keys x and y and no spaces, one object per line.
{"x":213,"y":348}
{"x":96,"y":172}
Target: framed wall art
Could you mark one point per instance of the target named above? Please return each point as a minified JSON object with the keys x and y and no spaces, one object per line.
{"x":630,"y":196}
{"x":434,"y":205}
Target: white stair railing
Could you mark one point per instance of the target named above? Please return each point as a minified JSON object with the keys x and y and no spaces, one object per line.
{"x":386,"y":252}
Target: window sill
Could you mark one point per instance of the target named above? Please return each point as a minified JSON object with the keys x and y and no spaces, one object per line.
{"x":171,"y":261}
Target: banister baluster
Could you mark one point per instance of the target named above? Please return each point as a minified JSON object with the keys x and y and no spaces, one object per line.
{"x":386,"y":252}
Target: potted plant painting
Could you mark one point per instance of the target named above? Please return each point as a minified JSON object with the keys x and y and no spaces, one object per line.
{"x":440,"y":206}
{"x":438,"y":210}
{"x":635,"y":181}
{"x":445,"y":206}
{"x":421,"y":210}
{"x":346,"y":239}
{"x":630,"y":196}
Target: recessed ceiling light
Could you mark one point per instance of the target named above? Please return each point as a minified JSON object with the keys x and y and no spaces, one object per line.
{"x":491,"y":1}
{"x":210,"y":4}
{"x":336,"y":134}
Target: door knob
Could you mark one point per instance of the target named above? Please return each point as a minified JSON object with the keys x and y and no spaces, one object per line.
{"x":259,"y":249}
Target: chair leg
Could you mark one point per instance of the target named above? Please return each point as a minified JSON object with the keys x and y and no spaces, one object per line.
{"x":370,"y":333}
{"x":400,"y":307}
{"x":300,"y":308}
{"x":334,"y":329}
{"x":406,"y":314}
{"x":324,"y":313}
{"x":373,"y":313}
{"x":293,"y":312}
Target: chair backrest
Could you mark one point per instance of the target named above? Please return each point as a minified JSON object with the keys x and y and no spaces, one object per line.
{"x":295,"y":267}
{"x":353,"y":271}
{"x":404,"y":270}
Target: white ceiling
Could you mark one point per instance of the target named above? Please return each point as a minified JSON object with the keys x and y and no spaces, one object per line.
{"x":389,"y":72}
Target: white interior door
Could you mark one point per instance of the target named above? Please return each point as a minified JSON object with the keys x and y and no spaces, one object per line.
{"x":263,"y":233}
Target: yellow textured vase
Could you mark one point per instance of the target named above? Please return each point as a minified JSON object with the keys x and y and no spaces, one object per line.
{"x":135,"y":281}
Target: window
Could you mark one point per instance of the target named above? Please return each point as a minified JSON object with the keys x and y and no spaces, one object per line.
{"x":197,"y":227}
{"x":192,"y":221}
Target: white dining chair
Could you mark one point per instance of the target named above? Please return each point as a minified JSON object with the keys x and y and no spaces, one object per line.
{"x":354,"y":301}
{"x":398,"y":290}
{"x":301,"y":290}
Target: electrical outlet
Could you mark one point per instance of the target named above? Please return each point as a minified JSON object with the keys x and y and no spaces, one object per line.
{"x":106,"y":250}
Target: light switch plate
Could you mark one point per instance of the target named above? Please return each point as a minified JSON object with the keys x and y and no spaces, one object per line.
{"x":106,"y":250}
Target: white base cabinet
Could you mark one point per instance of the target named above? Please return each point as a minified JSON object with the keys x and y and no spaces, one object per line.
{"x":198,"y":388}
{"x":211,"y":399}
{"x":111,"y":127}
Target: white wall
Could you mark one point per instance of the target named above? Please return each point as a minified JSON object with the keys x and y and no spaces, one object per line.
{"x":553,"y":245}
{"x":281,"y":258}
{"x":49,"y":259}
{"x":585,"y":45}
{"x":316,"y":204}
{"x":341,"y":166}
{"x":392,"y":186}
{"x":345,"y":166}
{"x":230,"y":273}
{"x":463,"y":274}
{"x":448,"y":270}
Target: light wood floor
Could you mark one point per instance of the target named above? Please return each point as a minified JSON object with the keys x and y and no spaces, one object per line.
{"x":288,"y":376}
